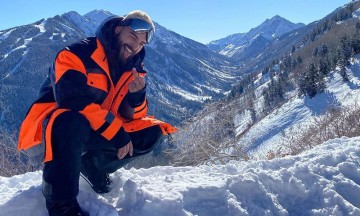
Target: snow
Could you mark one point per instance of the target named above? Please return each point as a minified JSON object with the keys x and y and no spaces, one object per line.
{"x":87,"y":27}
{"x":356,"y":14}
{"x":217,"y":73}
{"x":188,"y":95}
{"x":97,"y":16}
{"x":68,"y":29}
{"x":41,"y":26}
{"x":231,"y":49}
{"x":5,"y":35}
{"x":241,"y":122}
{"x":27,"y":41}
{"x":268,"y":133}
{"x":321,"y":181}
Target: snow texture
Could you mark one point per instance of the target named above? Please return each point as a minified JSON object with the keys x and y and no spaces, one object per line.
{"x":321,"y":181}
{"x":268,"y":133}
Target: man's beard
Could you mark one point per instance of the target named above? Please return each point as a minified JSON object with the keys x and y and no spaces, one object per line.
{"x":120,"y":48}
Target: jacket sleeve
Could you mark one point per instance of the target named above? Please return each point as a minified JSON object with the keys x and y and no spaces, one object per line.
{"x":71,"y":90}
{"x":134,"y":106}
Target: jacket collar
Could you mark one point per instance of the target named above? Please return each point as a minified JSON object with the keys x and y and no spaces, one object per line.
{"x":99,"y":57}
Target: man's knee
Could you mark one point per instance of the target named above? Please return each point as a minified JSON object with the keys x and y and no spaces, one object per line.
{"x":70,"y":128}
{"x":71,"y":122}
{"x":154,"y":134}
{"x":146,"y":140}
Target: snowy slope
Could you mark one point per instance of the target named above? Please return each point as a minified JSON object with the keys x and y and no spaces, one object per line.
{"x":267,"y":134}
{"x":83,"y":24}
{"x":322,"y":181}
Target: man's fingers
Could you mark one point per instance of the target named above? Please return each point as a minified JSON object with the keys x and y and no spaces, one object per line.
{"x":135,"y":73}
{"x":125,"y":150}
{"x":138,"y":81}
{"x":137,"y":84}
{"x":132,"y":86}
{"x":120,"y":153}
{"x":131,"y":149}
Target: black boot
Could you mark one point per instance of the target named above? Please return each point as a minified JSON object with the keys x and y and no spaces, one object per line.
{"x":65,"y":208}
{"x":98,"y":179}
{"x":101,"y":157}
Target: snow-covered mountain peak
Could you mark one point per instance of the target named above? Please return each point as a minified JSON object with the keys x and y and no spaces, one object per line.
{"x":274,"y":27}
{"x":217,"y":45}
{"x":238,"y":44}
{"x":72,"y":14}
{"x":98,"y":16}
{"x":87,"y":23}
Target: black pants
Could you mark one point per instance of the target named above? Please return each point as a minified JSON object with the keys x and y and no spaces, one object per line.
{"x":71,"y":137}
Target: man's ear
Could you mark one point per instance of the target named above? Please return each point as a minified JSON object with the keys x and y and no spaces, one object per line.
{"x":118,"y":29}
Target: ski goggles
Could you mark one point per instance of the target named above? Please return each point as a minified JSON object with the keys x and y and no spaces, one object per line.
{"x":140,"y":26}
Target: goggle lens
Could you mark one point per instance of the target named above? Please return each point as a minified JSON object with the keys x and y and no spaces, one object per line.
{"x":140,"y":26}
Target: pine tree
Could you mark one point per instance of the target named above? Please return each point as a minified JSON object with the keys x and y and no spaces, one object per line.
{"x":312,"y":82}
{"x":315,"y":51}
{"x":299,"y":59}
{"x":346,"y":48}
{"x":323,"y":67}
{"x":357,"y":27}
{"x":342,"y":62}
{"x":323,"y":49}
{"x":355,"y":43}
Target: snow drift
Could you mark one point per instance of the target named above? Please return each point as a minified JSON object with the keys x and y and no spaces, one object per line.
{"x":322,"y":181}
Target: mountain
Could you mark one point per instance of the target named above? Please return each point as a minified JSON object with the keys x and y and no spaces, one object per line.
{"x":257,"y":38}
{"x":26,"y":53}
{"x":302,"y":88}
{"x":322,"y":181}
{"x":183,"y":74}
{"x":97,"y":16}
{"x":217,"y":45}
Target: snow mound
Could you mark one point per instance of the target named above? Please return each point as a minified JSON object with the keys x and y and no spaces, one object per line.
{"x":322,"y":181}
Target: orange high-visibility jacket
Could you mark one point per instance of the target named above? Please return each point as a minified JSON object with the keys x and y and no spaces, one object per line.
{"x":80,"y":80}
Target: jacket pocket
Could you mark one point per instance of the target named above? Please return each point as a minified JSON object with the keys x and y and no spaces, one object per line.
{"x":98,"y":81}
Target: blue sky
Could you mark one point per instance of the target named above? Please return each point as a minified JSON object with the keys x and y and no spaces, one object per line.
{"x":200,"y":20}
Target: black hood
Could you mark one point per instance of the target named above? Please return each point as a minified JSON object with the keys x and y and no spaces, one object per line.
{"x":105,"y":34}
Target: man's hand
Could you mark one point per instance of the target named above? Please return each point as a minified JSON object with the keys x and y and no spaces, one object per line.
{"x":125,"y":150}
{"x":138,"y":83}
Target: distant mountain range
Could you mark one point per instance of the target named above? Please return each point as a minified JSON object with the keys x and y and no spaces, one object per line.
{"x":183,"y":74}
{"x":257,"y":38}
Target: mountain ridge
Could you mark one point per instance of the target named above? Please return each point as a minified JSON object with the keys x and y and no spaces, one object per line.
{"x":186,"y":72}
{"x":236,"y":44}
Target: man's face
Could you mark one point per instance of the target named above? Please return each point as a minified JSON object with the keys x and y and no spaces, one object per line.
{"x":129,"y":42}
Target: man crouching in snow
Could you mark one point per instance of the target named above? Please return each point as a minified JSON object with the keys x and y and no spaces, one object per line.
{"x":90,"y":115}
